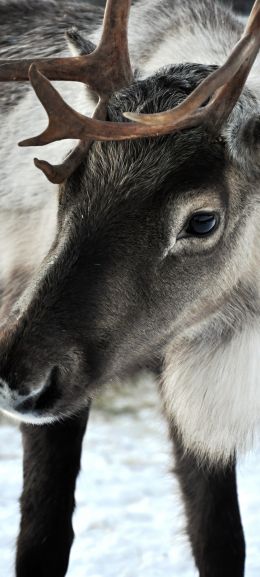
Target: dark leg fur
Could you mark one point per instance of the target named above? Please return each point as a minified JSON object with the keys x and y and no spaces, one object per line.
{"x":214,"y":524}
{"x":51,"y":465}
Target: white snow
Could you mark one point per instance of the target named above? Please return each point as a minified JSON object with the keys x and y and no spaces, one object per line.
{"x":129,"y":520}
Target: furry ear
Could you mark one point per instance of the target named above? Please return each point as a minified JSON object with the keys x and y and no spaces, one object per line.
{"x":242,"y":134}
{"x":248,"y":143}
{"x":80,"y":46}
{"x":251,"y":133}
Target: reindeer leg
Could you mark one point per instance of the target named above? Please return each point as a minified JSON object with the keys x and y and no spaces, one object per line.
{"x":51,"y":465}
{"x":212,"y":510}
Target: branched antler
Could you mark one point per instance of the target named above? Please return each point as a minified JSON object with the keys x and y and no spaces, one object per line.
{"x":106,"y":70}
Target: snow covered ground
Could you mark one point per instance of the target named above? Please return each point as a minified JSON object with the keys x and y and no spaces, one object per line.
{"x":129,"y":520}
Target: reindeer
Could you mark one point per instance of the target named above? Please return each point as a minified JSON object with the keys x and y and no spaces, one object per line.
{"x":146,"y":257}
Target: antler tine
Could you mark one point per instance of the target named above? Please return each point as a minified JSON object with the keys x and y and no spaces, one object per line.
{"x":60,"y":172}
{"x":60,"y":114}
{"x":113,"y":46}
{"x":61,"y":118}
{"x":226,"y":97}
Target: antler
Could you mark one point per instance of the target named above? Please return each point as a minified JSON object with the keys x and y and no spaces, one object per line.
{"x":108,"y":69}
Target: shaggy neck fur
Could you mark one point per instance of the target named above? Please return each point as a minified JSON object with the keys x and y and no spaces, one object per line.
{"x":211,"y":380}
{"x":211,"y":392}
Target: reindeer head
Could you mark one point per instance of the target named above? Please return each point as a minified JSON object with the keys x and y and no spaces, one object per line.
{"x":156,"y":222}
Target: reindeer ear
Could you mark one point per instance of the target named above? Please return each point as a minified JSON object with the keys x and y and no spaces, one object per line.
{"x":251,"y":133}
{"x":249,"y":144}
{"x":79,"y":46}
{"x":243,"y":138}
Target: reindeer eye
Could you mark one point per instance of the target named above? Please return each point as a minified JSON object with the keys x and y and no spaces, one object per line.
{"x":202,"y":224}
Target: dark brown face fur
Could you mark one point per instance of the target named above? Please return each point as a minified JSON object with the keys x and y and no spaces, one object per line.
{"x":124,"y":275}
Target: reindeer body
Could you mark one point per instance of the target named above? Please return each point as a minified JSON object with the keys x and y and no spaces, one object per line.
{"x":206,"y":358}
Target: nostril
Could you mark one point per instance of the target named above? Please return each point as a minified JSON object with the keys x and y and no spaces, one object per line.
{"x":10,"y":398}
{"x":31,"y":402}
{"x":43,"y":397}
{"x":4,"y":389}
{"x":14,"y":389}
{"x":22,"y":396}
{"x":51,"y":392}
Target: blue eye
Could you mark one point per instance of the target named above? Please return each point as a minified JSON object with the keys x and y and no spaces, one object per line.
{"x":202,"y":224}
